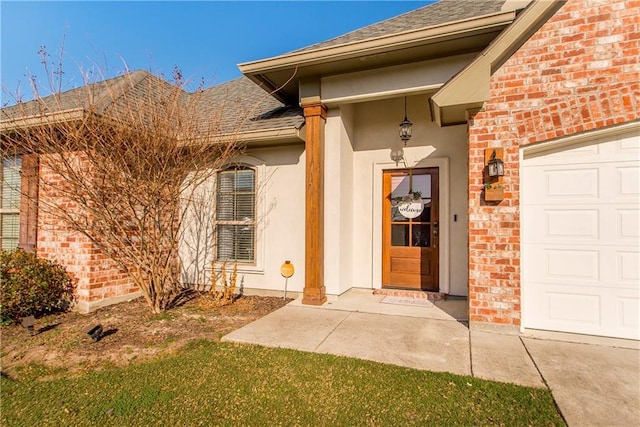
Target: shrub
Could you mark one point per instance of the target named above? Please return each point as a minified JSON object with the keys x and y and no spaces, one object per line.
{"x":223,"y":288}
{"x":32,"y":286}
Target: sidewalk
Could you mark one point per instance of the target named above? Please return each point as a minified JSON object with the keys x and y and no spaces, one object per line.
{"x":593,"y":384}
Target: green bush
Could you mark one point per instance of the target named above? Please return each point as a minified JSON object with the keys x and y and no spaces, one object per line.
{"x":32,"y":286}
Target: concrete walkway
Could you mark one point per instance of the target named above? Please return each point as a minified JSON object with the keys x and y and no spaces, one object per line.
{"x":595,"y":383}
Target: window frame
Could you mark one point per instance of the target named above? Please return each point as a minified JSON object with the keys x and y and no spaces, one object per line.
{"x":253,"y":223}
{"x":10,"y":211}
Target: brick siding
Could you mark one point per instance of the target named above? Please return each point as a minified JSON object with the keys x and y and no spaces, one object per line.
{"x":98,"y":278}
{"x":578,"y":73}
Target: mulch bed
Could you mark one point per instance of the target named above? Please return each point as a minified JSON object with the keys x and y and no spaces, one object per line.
{"x":131,"y":332}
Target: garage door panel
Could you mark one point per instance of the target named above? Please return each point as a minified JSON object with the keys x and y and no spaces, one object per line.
{"x":609,"y":266}
{"x":572,"y":307}
{"x":628,"y":267}
{"x":583,"y":310}
{"x":572,"y":183}
{"x":572,"y":224}
{"x":612,"y":148}
{"x":573,"y":264}
{"x":563,"y":265}
{"x":629,"y":145}
{"x":581,"y":237}
{"x":563,"y":223}
{"x":629,"y":313}
{"x":628,"y":180}
{"x":599,"y":183}
{"x":628,"y":221}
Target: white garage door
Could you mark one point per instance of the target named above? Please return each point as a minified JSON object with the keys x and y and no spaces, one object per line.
{"x":581,"y":237}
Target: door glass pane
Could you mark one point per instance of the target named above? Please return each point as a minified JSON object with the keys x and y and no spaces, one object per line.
{"x":399,"y":235}
{"x":399,"y":189}
{"x":399,"y":186}
{"x":422,"y":183}
{"x":421,"y":236}
{"x":425,"y":216}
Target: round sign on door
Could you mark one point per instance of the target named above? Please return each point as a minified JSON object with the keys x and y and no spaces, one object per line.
{"x":410,"y":208}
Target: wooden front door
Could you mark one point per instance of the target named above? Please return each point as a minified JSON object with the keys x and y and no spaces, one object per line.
{"x":410,"y":245}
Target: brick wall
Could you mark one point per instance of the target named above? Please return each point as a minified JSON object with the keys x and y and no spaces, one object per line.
{"x":98,"y":278}
{"x":579,"y":72}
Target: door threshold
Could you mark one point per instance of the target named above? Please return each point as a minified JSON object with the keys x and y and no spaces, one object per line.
{"x":405,"y":293}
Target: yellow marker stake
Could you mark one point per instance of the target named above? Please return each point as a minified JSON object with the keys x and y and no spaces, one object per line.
{"x":287,"y":271}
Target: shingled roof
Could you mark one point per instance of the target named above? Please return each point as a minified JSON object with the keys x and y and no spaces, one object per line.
{"x":442,"y":12}
{"x":240,"y":101}
{"x":243,"y":100}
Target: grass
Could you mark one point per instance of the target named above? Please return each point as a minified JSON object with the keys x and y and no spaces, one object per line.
{"x":227,"y":384}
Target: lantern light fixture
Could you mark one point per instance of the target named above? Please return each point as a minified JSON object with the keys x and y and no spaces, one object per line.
{"x":405,"y":126}
{"x":397,"y":155}
{"x":495,"y":166}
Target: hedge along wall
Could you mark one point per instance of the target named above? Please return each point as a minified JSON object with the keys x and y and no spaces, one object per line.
{"x":99,"y":280}
{"x":578,"y":73}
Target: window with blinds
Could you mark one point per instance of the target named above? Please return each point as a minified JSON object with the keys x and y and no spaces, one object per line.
{"x":236,"y":215}
{"x":10,"y":202}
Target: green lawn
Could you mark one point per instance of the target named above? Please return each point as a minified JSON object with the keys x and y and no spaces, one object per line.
{"x":228,"y":384}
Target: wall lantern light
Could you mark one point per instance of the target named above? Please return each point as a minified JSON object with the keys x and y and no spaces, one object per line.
{"x":495,"y":166}
{"x":397,"y":155}
{"x":405,"y":126}
{"x":493,"y":172}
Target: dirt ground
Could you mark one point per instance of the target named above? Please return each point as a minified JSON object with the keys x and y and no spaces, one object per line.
{"x":131,"y":332}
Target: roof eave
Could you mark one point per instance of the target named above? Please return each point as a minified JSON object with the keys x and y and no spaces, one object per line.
{"x":262,"y":72}
{"x":262,"y":137}
{"x":9,"y":125}
{"x":376,"y":45}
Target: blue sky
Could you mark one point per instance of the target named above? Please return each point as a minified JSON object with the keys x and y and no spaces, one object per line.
{"x":205,"y":39}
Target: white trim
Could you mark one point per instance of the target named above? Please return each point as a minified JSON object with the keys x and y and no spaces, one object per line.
{"x":381,"y":95}
{"x":523,"y":292}
{"x":442,"y":163}
{"x":260,"y":167}
{"x":587,"y":136}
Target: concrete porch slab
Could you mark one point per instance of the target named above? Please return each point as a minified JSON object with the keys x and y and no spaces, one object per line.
{"x":364,"y":301}
{"x":420,"y":343}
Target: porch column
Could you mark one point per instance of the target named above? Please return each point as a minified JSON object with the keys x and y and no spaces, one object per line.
{"x":314,"y":291}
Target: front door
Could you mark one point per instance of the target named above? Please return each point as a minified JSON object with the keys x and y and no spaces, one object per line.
{"x":410,"y":238}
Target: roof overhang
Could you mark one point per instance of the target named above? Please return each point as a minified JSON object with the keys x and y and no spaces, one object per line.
{"x":10,"y":125}
{"x":469,"y":89}
{"x":280,"y":74}
{"x":270,"y":137}
{"x":262,"y":137}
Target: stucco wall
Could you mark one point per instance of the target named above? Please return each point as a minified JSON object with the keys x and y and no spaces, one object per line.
{"x":375,"y":130}
{"x":279,"y":223}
